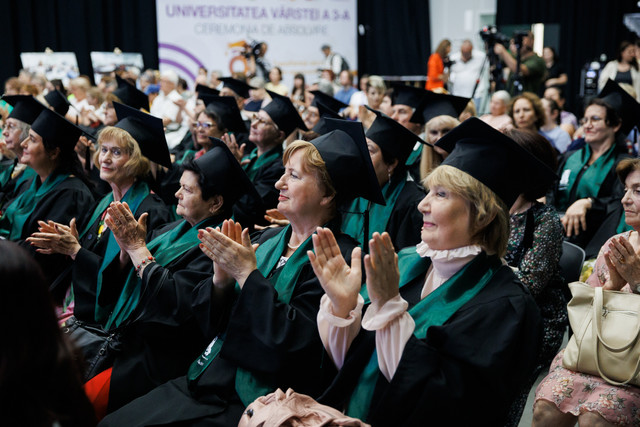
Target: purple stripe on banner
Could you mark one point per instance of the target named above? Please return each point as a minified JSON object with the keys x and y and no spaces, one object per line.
{"x":179,"y":66}
{"x":182,"y":51}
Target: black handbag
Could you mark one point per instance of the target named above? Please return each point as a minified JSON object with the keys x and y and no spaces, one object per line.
{"x":99,"y":347}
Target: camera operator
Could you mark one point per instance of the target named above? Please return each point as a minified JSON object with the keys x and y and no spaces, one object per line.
{"x":530,"y":76}
{"x":257,"y":64}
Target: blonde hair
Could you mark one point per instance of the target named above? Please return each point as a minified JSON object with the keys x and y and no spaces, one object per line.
{"x":377,"y":82}
{"x":312,"y":162}
{"x":430,"y":158}
{"x":488,"y":216}
{"x":138,"y":165}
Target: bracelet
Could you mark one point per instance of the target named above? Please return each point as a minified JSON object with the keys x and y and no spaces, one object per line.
{"x":144,"y":262}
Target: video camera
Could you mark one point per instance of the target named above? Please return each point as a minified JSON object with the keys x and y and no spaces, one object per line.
{"x":490,"y":35}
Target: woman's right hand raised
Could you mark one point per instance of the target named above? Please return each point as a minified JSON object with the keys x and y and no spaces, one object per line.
{"x":341,"y":282}
{"x":381,"y":266}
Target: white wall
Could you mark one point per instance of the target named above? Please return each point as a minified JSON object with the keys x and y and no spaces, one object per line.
{"x":457,"y":20}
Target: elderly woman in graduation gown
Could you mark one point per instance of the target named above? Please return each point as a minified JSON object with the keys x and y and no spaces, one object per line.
{"x":145,"y":293}
{"x":270,"y":340}
{"x":470,"y":336}
{"x":389,"y":144}
{"x":123,"y":155}
{"x":588,"y":184}
{"x":59,"y":192}
{"x":16,"y":178}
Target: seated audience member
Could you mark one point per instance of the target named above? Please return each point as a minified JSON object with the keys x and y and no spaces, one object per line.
{"x":587,"y":182}
{"x":263,"y":165}
{"x":57,"y":192}
{"x":299,"y":95}
{"x":123,"y":158}
{"x":360,"y":97}
{"x":17,"y":177}
{"x":568,"y":120}
{"x":471,"y":322}
{"x":346,"y":87}
{"x":440,"y":112}
{"x":565,"y":397}
{"x":275,"y":82}
{"x":498,"y":117}
{"x":533,"y":251}
{"x":147,"y":298}
{"x":389,"y":145}
{"x":270,"y":341}
{"x":527,"y":112}
{"x":166,"y":107}
{"x":39,"y":379}
{"x":550,"y":130}
{"x":405,"y":100}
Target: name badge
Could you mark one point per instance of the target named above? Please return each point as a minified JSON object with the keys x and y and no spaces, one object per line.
{"x":564,"y":179}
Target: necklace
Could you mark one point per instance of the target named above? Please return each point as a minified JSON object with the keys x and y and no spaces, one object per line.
{"x":293,"y":247}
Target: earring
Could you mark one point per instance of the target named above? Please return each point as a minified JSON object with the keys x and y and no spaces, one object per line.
{"x":389,"y":174}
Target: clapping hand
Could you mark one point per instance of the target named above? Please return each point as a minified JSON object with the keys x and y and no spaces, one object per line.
{"x":340,"y":282}
{"x":54,"y":238}
{"x":381,"y":266}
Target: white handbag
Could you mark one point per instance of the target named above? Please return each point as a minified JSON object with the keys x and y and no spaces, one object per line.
{"x":606,"y":326}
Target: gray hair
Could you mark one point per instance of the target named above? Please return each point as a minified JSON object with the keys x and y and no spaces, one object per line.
{"x":503,"y":96}
{"x":24,"y":129}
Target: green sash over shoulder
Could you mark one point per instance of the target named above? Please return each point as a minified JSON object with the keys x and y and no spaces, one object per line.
{"x":591,"y":179}
{"x":433,"y":310}
{"x":5,"y":172}
{"x":353,"y":218}
{"x":415,"y":155}
{"x":20,"y":209}
{"x":165,"y":248}
{"x":268,"y":254}
{"x":255,"y":162}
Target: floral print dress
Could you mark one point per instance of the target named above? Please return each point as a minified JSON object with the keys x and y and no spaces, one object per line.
{"x":576,"y":392}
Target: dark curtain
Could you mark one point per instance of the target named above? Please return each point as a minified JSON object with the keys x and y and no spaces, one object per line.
{"x":396,"y":40}
{"x":77,"y":26}
{"x":588,"y":28}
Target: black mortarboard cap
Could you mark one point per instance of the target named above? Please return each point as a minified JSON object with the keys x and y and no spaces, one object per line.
{"x":438,"y":104}
{"x":327,"y":100}
{"x":226,"y":108}
{"x":392,"y":137}
{"x":239,"y":87}
{"x":494,"y":159}
{"x":283,"y":113}
{"x":346,"y":156}
{"x":130,"y":95}
{"x":56,"y":130}
{"x":223,"y":172}
{"x":57,"y":101}
{"x":325,"y":112}
{"x":625,"y":105}
{"x":202,"y":89}
{"x":407,"y":95}
{"x":25,"y":107}
{"x":147,"y":130}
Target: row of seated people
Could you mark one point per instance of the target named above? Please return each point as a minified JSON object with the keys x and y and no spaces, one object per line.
{"x":172,"y":290}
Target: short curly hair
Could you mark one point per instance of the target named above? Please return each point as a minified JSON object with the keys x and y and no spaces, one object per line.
{"x":538,"y":109}
{"x":138,"y":165}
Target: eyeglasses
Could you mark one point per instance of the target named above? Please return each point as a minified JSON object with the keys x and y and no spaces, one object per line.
{"x":592,"y":119}
{"x":263,"y":121}
{"x":204,"y":125}
{"x":116,"y":152}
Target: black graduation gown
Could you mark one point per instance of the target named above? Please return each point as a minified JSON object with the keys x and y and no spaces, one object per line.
{"x":275,"y":340}
{"x":12,"y":189}
{"x":69,"y":199}
{"x":161,"y":343}
{"x":608,"y":193}
{"x":405,"y":220}
{"x":249,"y":211}
{"x":89,"y":258}
{"x":465,"y":372}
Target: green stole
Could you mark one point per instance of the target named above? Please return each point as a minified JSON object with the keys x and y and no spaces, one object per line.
{"x":17,"y":213}
{"x":187,"y":154}
{"x":268,"y":254}
{"x":591,"y":179}
{"x":165,"y":248}
{"x":622,"y":225}
{"x":415,"y":156}
{"x":435,"y":309}
{"x":255,"y":162}
{"x":353,"y":218}
{"x":5,"y":173}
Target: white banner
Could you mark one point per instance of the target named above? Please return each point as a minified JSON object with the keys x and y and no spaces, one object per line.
{"x":214,"y":33}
